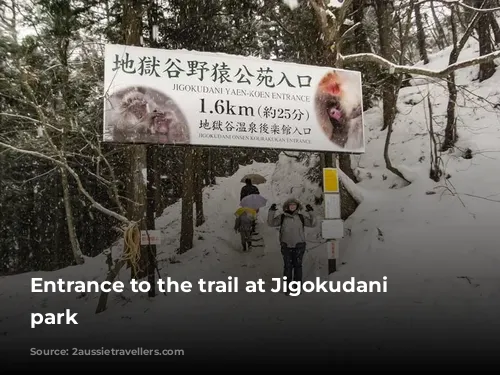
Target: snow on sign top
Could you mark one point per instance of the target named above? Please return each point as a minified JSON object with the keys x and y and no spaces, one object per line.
{"x":215,"y":99}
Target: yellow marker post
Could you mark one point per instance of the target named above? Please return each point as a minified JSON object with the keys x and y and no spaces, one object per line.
{"x":330,"y":180}
{"x":332,"y":211}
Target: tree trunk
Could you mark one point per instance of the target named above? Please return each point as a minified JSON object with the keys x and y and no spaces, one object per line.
{"x":383,"y":11}
{"x":199,"y":166}
{"x":421,"y":35}
{"x":435,"y":172}
{"x":206,"y":172}
{"x":73,"y":238}
{"x":369,"y":71}
{"x":494,"y":27}
{"x":158,"y":186}
{"x":360,"y":37}
{"x":450,"y":132}
{"x":187,"y":228}
{"x":211,"y":167}
{"x":487,"y":69}
{"x":349,"y":204}
{"x":345,"y":165}
{"x":136,"y":154}
{"x":432,"y":30}
{"x":437,"y":25}
{"x":387,"y":159}
{"x":209,"y":173}
{"x":110,"y":277}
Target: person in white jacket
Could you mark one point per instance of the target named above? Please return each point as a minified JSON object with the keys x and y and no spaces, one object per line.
{"x":292,"y":235}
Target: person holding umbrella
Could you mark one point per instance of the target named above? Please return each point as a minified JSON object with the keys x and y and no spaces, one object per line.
{"x":248,"y":189}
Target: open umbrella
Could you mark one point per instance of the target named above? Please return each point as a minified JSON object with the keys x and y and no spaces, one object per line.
{"x":254,"y":201}
{"x":255,"y":178}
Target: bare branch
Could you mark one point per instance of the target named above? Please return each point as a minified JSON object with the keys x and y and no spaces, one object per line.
{"x":280,"y":24}
{"x":462,"y":4}
{"x":94,"y":203}
{"x":350,"y":30}
{"x":395,"y":68}
{"x":29,"y":119}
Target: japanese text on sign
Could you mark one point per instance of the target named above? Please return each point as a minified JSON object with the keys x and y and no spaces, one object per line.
{"x":211,"y":99}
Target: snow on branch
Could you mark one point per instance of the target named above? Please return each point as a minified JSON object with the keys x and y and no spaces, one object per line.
{"x":462,"y":4}
{"x":61,"y":164}
{"x":354,"y":190}
{"x":394,"y":68}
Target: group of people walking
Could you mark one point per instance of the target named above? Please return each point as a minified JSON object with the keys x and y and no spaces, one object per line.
{"x":291,"y":223}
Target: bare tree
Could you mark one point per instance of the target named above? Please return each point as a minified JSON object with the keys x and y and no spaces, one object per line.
{"x":448,"y":72}
{"x":384,"y":10}
{"x":494,"y":27}
{"x":450,"y":133}
{"x":187,"y":222}
{"x":136,"y":154}
{"x":486,"y":69}
{"x":420,"y":34}
{"x":199,"y":165}
{"x":437,"y":24}
{"x":404,"y":30}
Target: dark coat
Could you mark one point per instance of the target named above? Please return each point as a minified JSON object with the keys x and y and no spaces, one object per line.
{"x":248,"y":190}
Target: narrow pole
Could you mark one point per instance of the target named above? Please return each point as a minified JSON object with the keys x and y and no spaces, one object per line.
{"x":150,"y":218}
{"x":331,"y":199}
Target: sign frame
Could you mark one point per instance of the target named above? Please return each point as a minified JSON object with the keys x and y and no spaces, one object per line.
{"x":295,"y":98}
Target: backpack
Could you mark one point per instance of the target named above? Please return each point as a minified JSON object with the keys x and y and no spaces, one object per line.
{"x":300,"y":216}
{"x":245,"y":223}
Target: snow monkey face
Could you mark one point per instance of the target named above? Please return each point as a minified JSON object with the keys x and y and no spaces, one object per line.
{"x":337,"y":104}
{"x":162,"y":120}
{"x":136,"y":105}
{"x":331,"y":92}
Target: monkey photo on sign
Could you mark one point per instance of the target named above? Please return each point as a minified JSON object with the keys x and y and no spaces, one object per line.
{"x":339,"y":109}
{"x":139,"y":114}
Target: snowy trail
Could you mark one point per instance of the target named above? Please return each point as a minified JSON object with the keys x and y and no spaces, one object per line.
{"x":409,"y":259}
{"x":424,"y":281}
{"x":261,"y":262}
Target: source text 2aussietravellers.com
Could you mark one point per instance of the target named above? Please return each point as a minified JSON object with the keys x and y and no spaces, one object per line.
{"x":104,"y":351}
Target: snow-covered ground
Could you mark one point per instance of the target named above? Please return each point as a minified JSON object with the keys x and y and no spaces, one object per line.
{"x":439,"y":251}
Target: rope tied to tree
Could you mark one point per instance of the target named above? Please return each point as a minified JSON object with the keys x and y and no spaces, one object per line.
{"x":132,"y":247}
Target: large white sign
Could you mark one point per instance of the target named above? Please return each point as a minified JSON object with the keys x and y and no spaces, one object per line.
{"x":211,"y":99}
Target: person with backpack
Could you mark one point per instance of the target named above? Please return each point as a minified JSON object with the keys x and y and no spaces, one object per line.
{"x":292,"y":235}
{"x":244,"y":225}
